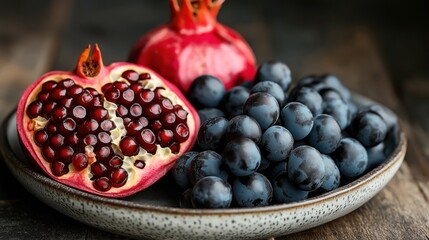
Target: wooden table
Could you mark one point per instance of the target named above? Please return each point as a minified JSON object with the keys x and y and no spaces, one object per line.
{"x":377,"y":48}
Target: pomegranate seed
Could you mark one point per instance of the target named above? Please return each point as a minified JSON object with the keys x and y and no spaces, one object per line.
{"x":92,"y":91}
{"x":175,"y":148}
{"x":59,"y":168}
{"x":98,"y":169}
{"x":122,"y":86}
{"x":47,"y":108}
{"x":158,"y":94}
{"x":181,"y":114}
{"x":137,"y":88}
{"x":34,"y":109}
{"x":118,"y":177}
{"x":156,"y":125}
{"x":145,"y":76}
{"x":74,"y":90}
{"x":129,"y":146}
{"x":80,"y":161}
{"x":104,"y":153}
{"x":58,"y":93}
{"x":84,"y":98}
{"x":104,"y":137}
{"x":168,"y":119}
{"x":66,"y":83}
{"x":146,"y":96}
{"x":58,"y":113}
{"x":49,"y":85}
{"x":90,"y":140}
{"x":166,"y":104}
{"x":127,"y":96}
{"x":130,"y":75}
{"x":147,"y":139}
{"x":43,"y":96}
{"x":127,"y":121}
{"x":106,"y":87}
{"x":48,"y":153}
{"x":90,"y":125}
{"x":165,"y":137}
{"x":56,"y":141}
{"x":106,"y":125}
{"x":78,"y":112}
{"x":68,"y":125}
{"x":40,"y":138}
{"x":153,"y":111}
{"x":51,"y":128}
{"x":115,"y":162}
{"x":122,"y":110}
{"x":181,"y":132}
{"x":66,"y":102}
{"x":144,"y":121}
{"x":112,"y":94}
{"x":65,"y":154}
{"x":136,"y":110}
{"x":139,"y":164}
{"x":102,"y":184}
{"x":96,"y":102}
{"x":72,"y":139}
{"x":134,"y":127}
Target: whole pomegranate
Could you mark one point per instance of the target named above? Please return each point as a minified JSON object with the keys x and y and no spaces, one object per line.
{"x":109,"y":130}
{"x":192,"y":44}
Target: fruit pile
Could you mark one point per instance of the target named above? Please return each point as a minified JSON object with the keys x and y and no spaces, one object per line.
{"x":261,"y":144}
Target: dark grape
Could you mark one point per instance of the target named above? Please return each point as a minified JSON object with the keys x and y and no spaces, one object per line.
{"x":243,"y":126}
{"x":208,"y":113}
{"x":325,"y":134}
{"x":272,"y":88}
{"x":298,"y":119}
{"x":207,"y":163}
{"x":234,"y":100}
{"x":211,"y":192}
{"x":369,"y":128}
{"x":286,"y":192}
{"x":332,"y":174}
{"x":351,"y":158}
{"x":206,"y":91}
{"x":252,"y":191}
{"x":274,"y":71}
{"x":211,"y":135}
{"x":242,"y":156}
{"x":181,"y":169}
{"x":276,"y":143}
{"x":263,"y":107}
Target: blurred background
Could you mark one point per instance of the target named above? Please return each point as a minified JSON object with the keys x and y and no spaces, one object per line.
{"x":370,"y":45}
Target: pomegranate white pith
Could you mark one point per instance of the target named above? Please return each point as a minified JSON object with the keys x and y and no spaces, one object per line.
{"x":139,"y":168}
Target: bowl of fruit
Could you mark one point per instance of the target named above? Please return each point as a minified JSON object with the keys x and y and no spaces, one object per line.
{"x":178,"y":146}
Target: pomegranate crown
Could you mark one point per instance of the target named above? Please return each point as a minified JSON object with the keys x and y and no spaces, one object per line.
{"x":194,"y":16}
{"x":90,"y":65}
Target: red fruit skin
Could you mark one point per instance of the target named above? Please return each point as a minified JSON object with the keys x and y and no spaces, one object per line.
{"x":154,"y":169}
{"x":189,"y":47}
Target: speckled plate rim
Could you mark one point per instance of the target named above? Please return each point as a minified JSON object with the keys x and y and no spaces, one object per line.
{"x":10,"y":157}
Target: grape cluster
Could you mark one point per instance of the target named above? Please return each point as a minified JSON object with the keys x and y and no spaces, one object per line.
{"x":262,"y":143}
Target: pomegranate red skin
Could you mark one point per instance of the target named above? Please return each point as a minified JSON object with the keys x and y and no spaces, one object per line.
{"x":152,"y":171}
{"x":189,"y":47}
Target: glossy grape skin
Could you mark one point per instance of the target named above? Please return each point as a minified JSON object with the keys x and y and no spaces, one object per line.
{"x":376,"y":155}
{"x":298,"y":119}
{"x":252,"y":191}
{"x":206,"y":163}
{"x":319,"y":83}
{"x":243,"y":126}
{"x":274,"y":71}
{"x":242,"y":156}
{"x":325,"y":134}
{"x":211,"y":192}
{"x":211,"y":135}
{"x":369,"y":128}
{"x":208,"y":113}
{"x":276,"y":169}
{"x":351,"y":158}
{"x":286,"y":192}
{"x":206,"y":91}
{"x":272,"y":88}
{"x":181,"y":169}
{"x":305,"y":168}
{"x":334,"y":105}
{"x":265,"y":164}
{"x":332,"y":174}
{"x":388,"y":116}
{"x":234,"y":100}
{"x":309,"y":97}
{"x":262,"y":107}
{"x":276,"y":143}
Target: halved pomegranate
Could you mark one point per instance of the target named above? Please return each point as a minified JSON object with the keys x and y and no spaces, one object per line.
{"x":109,"y":130}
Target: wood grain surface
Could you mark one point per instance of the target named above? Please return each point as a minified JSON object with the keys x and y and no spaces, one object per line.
{"x":365,"y":43}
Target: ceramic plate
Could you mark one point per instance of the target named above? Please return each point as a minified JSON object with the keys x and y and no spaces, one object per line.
{"x":154,"y":213}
